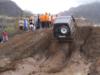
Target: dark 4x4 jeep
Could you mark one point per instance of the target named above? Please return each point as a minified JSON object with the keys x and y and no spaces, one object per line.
{"x":64,"y":27}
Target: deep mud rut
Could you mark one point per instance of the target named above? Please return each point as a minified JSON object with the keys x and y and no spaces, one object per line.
{"x":57,"y":62}
{"x":39,"y":54}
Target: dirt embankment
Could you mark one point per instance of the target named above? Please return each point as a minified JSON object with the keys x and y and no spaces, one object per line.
{"x":22,"y":46}
{"x":39,"y":54}
{"x":36,"y":50}
{"x":91,"y":50}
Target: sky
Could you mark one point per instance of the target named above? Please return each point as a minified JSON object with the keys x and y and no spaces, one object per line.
{"x":50,"y":6}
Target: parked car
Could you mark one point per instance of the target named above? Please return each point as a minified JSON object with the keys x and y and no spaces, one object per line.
{"x":64,"y":27}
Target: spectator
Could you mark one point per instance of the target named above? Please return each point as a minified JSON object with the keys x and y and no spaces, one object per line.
{"x":32,"y":26}
{"x":25,"y":24}
{"x":5,"y":36}
{"x":37,"y":22}
{"x":21,"y":24}
{"x":1,"y":39}
{"x":42,"y":21}
{"x":46,"y":16}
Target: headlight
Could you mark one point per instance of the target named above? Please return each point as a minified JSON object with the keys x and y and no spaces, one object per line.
{"x":63,"y":30}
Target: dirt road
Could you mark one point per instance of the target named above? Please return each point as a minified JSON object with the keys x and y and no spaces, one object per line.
{"x":37,"y":53}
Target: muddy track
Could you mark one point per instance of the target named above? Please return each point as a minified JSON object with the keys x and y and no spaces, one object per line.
{"x":36,"y":53}
{"x":25,"y":45}
{"x":39,"y":44}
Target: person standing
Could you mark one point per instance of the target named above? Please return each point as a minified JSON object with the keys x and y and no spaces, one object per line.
{"x":25,"y":24}
{"x":5,"y":36}
{"x":46,"y":20}
{"x":42,"y":20}
{"x":21,"y":24}
{"x":38,"y":22}
{"x":32,"y":26}
{"x":1,"y":39}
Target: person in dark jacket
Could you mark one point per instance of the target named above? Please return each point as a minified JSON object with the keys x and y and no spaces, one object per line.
{"x":38,"y":22}
{"x":1,"y":39}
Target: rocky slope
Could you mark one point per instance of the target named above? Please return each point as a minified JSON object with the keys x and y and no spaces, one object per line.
{"x":9,"y":8}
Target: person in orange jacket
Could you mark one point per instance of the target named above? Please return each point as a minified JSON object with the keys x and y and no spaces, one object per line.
{"x":42,"y":20}
{"x":45,"y":19}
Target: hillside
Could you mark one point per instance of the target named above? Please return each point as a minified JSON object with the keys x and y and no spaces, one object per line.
{"x":9,"y":8}
{"x":89,"y":11}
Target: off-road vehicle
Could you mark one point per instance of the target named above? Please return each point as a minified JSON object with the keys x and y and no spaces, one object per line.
{"x":64,"y":27}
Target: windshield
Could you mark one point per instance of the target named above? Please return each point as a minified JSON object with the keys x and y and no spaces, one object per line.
{"x":63,"y":19}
